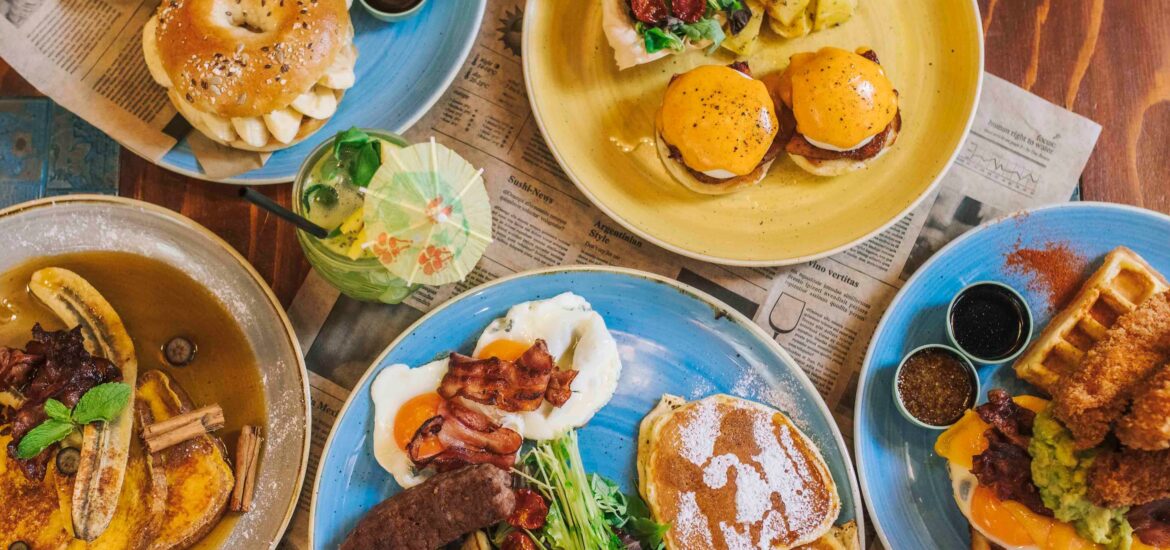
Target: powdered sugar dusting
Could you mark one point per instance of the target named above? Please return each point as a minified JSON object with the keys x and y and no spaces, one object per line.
{"x":787,"y":478}
{"x":699,"y":433}
{"x":777,"y":471}
{"x":734,"y":539}
{"x":751,"y":384}
{"x":690,"y":522}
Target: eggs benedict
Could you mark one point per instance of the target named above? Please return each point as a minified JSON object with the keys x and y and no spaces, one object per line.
{"x":717,"y":129}
{"x":845,"y":107}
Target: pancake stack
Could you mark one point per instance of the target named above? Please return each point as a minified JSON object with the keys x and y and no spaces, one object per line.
{"x":729,"y":473}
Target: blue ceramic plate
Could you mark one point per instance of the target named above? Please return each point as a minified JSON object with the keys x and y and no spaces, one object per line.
{"x":402,"y":70}
{"x":672,"y":339}
{"x":906,"y":486}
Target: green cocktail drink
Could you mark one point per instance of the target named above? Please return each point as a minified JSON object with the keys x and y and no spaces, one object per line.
{"x":325,"y":192}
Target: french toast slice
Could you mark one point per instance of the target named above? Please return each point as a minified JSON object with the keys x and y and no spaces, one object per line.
{"x":138,"y":517}
{"x":30,"y":510}
{"x":1122,"y":283}
{"x":199,"y":478}
{"x":42,"y":519}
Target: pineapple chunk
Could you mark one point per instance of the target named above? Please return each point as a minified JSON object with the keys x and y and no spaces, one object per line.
{"x":799,"y":27}
{"x":830,"y":13}
{"x":354,"y":223}
{"x":355,"y":250}
{"x":745,"y":42}
{"x":787,"y":11}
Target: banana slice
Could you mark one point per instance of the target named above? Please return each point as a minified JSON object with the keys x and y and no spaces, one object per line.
{"x":318,"y":103}
{"x":105,"y":447}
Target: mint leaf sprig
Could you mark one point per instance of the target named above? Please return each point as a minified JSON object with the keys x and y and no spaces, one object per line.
{"x":102,"y":403}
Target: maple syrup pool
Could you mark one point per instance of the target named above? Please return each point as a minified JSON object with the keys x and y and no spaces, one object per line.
{"x":156,"y":302}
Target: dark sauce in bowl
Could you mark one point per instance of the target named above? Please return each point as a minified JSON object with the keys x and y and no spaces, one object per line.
{"x":936,"y":386}
{"x":393,"y":6}
{"x":990,"y":322}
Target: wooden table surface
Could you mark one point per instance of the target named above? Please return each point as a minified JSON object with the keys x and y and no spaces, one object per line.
{"x":1112,"y":66}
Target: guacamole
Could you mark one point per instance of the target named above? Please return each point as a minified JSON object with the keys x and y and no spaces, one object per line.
{"x":1061,"y":473}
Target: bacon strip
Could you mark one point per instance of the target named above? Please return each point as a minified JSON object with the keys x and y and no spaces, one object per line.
{"x":519,"y":386}
{"x":459,"y":436}
{"x":16,"y":367}
{"x":1151,"y":522}
{"x":559,"y":392}
{"x":54,"y":365}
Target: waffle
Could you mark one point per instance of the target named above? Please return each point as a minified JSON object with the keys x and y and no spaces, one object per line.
{"x":1123,"y":282}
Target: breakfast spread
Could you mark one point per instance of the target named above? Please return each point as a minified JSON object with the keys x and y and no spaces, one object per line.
{"x":1086,"y":468}
{"x":101,"y":441}
{"x":135,"y":412}
{"x":254,"y":75}
{"x":499,"y":428}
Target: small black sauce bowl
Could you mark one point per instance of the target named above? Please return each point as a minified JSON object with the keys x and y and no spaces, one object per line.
{"x":996,"y":291}
{"x":393,"y":17}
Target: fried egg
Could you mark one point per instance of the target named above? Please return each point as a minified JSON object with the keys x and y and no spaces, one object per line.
{"x":1009,"y":524}
{"x":578,"y":339}
{"x":403,"y":399}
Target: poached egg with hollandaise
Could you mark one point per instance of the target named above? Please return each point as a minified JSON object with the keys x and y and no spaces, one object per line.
{"x":846,"y":109}
{"x":717,"y":129}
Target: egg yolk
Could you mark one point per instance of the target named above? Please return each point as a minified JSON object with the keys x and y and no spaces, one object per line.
{"x":993,"y":516}
{"x":412,"y":414}
{"x":507,"y":350}
{"x":960,"y":443}
{"x":718,"y":119}
{"x":838,"y":97}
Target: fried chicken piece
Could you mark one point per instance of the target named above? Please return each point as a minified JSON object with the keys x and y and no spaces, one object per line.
{"x":1090,"y":400}
{"x":1147,"y":426}
{"x":1129,"y":478}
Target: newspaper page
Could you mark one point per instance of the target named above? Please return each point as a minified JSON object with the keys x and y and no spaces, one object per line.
{"x":1022,"y":152}
{"x":87,"y":56}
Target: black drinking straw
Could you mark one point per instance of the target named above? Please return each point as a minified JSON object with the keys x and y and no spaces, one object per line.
{"x":258,"y":199}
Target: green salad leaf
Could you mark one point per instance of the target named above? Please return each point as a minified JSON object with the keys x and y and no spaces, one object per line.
{"x":586,"y":512}
{"x":676,"y":35}
{"x":102,"y":403}
{"x":704,"y":29}
{"x":658,"y":39}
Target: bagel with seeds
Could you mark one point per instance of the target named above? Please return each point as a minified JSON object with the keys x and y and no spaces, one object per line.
{"x":258,"y":75}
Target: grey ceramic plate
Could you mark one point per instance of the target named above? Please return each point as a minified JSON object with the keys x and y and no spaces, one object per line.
{"x":87,"y":223}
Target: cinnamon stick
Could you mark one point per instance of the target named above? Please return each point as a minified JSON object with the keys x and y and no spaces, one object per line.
{"x":247,"y":461}
{"x":177,"y":429}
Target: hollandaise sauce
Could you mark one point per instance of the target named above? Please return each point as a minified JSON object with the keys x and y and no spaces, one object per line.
{"x":719,"y":119}
{"x":840,"y":99}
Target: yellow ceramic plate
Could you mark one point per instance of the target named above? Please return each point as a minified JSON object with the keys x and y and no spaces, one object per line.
{"x":599,"y":124}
